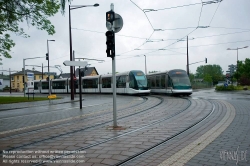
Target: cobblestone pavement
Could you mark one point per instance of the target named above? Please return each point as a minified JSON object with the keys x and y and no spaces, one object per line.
{"x":222,"y":138}
{"x":232,"y":147}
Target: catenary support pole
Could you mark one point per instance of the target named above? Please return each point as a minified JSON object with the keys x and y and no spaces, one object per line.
{"x":187,"y":59}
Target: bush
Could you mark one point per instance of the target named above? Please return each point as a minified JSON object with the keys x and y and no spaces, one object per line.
{"x":6,"y":88}
{"x":223,"y":88}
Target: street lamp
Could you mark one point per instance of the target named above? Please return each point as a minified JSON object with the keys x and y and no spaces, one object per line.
{"x":145,"y":65}
{"x":72,"y":7}
{"x":237,"y":60}
{"x":48,"y":64}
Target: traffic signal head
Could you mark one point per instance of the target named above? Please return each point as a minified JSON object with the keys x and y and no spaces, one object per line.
{"x":110,"y":16}
{"x":110,"y":44}
{"x":206,"y":60}
{"x":47,"y":56}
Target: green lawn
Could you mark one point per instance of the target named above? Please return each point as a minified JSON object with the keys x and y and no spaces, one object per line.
{"x":10,"y":99}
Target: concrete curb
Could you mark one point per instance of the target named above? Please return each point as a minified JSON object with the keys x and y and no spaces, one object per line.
{"x":14,"y":108}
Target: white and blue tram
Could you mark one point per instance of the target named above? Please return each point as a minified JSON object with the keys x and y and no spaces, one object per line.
{"x":173,"y":82}
{"x":131,"y":82}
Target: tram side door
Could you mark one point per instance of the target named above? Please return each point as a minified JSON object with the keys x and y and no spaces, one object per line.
{"x":121,"y":84}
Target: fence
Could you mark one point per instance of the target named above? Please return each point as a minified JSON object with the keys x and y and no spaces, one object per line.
{"x":200,"y":85}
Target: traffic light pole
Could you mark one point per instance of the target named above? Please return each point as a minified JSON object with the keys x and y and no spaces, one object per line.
{"x":114,"y":81}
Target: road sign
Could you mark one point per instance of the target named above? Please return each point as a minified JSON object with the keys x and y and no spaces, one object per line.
{"x":50,"y":73}
{"x":30,"y":76}
{"x":117,"y":24}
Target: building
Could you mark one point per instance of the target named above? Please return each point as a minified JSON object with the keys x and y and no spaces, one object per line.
{"x":91,"y":71}
{"x":17,"y":79}
{"x":4,"y":81}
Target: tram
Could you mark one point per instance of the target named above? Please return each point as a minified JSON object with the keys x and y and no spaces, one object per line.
{"x":173,"y":82}
{"x":130,"y":82}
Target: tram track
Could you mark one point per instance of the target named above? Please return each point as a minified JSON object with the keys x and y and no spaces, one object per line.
{"x":126,"y":133}
{"x":144,"y":152}
{"x":67,"y":119}
{"x":86,"y":128}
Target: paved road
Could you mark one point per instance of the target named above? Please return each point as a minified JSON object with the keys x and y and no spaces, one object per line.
{"x":208,"y":128}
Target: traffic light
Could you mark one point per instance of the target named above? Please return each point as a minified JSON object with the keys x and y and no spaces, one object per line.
{"x":206,"y":60}
{"x":47,"y":56}
{"x":110,"y":16}
{"x":110,"y":44}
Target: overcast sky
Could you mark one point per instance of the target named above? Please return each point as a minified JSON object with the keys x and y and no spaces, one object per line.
{"x":143,"y":33}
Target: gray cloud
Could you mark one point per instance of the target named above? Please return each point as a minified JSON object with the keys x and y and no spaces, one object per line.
{"x":230,"y":14}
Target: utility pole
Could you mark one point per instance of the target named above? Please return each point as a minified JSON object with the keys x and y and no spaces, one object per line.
{"x":187,"y":59}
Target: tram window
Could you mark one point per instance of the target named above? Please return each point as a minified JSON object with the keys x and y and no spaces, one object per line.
{"x":157,"y":81}
{"x":36,"y":85}
{"x":131,"y":80}
{"x":163,"y":81}
{"x":45,"y":85}
{"x":58,"y":85}
{"x":153,"y":82}
{"x":169,"y":82}
{"x":149,"y":83}
{"x":106,"y":82}
{"x":121,"y":82}
{"x":92,"y":83}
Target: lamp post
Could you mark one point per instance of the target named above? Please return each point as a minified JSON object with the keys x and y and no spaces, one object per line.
{"x":48,"y":63}
{"x":145,"y":64}
{"x":72,"y":7}
{"x":237,"y":60}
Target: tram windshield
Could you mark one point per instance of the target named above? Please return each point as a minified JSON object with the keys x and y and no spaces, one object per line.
{"x":180,"y":80}
{"x":138,"y":80}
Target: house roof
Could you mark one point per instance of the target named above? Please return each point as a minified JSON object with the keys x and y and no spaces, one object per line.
{"x":5,"y":77}
{"x":86,"y":72}
{"x":65,"y":75}
{"x":32,"y":71}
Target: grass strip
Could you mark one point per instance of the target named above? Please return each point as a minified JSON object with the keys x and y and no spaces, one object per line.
{"x":12,"y":99}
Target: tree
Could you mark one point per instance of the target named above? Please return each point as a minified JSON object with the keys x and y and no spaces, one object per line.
{"x":244,"y":72}
{"x":13,"y":12}
{"x":191,"y":77}
{"x":215,"y":71}
{"x":208,"y":78}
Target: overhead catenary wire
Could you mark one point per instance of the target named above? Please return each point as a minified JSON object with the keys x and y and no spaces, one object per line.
{"x":162,"y":40}
{"x":214,"y":14}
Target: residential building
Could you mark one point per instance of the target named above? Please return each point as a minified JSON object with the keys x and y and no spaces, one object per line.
{"x":17,"y":79}
{"x":91,"y":71}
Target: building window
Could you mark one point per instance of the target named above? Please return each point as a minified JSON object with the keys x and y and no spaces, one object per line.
{"x":12,"y":78}
{"x":17,"y":85}
{"x":17,"y":78}
{"x":13,"y":85}
{"x":40,"y":77}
